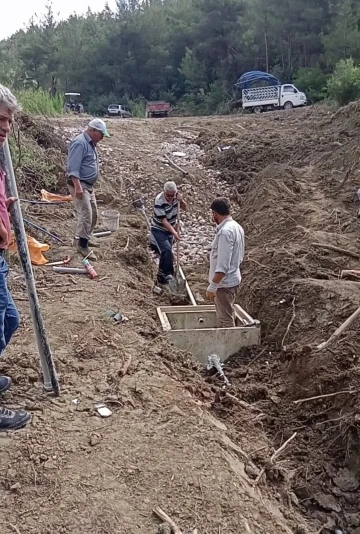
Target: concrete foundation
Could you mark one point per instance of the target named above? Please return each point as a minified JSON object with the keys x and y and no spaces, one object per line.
{"x":193,"y":328}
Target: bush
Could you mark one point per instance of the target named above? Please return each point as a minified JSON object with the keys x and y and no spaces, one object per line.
{"x":344,"y":84}
{"x":98,"y":104}
{"x":313,"y":82}
{"x":137,"y":107}
{"x":39,"y":102}
{"x":204,"y":103}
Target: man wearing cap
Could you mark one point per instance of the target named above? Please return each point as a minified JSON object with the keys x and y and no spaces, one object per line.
{"x":164,"y":230}
{"x":226,"y":256}
{"x":83,"y":173}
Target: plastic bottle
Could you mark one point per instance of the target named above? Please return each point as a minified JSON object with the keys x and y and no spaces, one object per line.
{"x":90,"y":269}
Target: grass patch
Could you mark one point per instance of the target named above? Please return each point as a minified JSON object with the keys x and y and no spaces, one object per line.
{"x":39,"y":102}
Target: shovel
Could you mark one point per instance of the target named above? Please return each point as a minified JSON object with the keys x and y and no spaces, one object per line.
{"x":177,"y":286}
{"x":139,"y":206}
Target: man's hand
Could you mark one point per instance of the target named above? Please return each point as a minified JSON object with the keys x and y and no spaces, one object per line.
{"x":10,"y":201}
{"x":176,"y":236}
{"x":211,"y":292}
{"x":179,"y":196}
{"x":4,"y":236}
{"x":79,"y":192}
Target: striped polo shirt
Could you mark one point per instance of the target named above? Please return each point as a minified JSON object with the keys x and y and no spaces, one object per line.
{"x":162,"y":210}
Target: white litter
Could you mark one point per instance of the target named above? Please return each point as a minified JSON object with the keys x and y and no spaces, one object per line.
{"x":179,"y":154}
{"x":103,"y":410}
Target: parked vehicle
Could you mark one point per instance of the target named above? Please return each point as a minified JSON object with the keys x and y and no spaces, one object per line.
{"x":263,"y":92}
{"x":159,"y":108}
{"x":72,"y":103}
{"x":116,"y":110}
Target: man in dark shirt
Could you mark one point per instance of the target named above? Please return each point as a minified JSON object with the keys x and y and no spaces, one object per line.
{"x":83,"y":173}
{"x":9,"y":316}
{"x":164,"y":230}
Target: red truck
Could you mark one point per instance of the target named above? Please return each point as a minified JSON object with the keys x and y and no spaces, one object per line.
{"x":159,"y":108}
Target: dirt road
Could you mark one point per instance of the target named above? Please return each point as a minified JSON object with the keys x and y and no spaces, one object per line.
{"x":73,"y":472}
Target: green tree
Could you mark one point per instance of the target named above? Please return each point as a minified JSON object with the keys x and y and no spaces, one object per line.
{"x":344,"y":84}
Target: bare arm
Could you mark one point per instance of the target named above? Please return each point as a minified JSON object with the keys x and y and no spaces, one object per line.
{"x":169,"y":228}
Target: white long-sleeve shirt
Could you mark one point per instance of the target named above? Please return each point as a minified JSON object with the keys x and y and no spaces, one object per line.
{"x":227,"y":253}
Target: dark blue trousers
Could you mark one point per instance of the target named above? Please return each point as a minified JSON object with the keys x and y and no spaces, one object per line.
{"x":165,"y":243}
{"x":9,"y":316}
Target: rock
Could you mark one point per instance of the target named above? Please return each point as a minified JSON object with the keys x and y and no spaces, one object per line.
{"x":163,"y":529}
{"x":328,"y":502}
{"x":352,"y":519}
{"x":94,"y":440}
{"x":50,"y":464}
{"x":251,"y":471}
{"x":346,"y":480}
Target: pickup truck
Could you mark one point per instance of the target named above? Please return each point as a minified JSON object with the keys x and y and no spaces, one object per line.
{"x":262,"y":91}
{"x":159,"y":108}
{"x":260,"y":99}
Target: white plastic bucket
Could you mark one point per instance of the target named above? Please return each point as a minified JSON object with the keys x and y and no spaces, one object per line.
{"x":111,"y":219}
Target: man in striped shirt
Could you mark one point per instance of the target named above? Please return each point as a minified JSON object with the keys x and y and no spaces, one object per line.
{"x":164,"y":229}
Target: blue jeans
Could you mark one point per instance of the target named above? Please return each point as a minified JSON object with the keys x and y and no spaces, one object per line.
{"x":164,"y":242}
{"x":9,"y":316}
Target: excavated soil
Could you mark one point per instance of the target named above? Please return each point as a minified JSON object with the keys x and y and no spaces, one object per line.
{"x":176,"y":439}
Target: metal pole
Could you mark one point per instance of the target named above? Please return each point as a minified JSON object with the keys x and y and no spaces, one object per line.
{"x":51,"y":382}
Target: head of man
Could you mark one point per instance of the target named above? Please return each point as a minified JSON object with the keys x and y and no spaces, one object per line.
{"x":170,"y":191}
{"x":8,"y":108}
{"x":220,"y":209}
{"x":97,"y":130}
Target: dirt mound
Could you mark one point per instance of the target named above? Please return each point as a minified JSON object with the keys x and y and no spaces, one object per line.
{"x":296,"y":191}
{"x":38,"y":154}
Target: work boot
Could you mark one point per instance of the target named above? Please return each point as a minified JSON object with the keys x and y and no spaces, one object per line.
{"x":86,"y":253}
{"x":10,"y":420}
{"x":93,"y":242}
{"x":5,"y":384}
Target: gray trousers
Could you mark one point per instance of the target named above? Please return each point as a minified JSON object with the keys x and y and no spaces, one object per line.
{"x":86,"y":211}
{"x":224,"y":305}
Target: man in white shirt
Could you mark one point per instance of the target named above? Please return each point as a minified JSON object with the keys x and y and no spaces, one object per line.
{"x":226,"y":256}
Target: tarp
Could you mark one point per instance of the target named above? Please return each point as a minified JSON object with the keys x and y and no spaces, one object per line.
{"x":35,"y":249}
{"x":249,"y":79}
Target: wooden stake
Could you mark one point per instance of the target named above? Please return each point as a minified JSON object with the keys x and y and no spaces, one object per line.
{"x":337,"y":249}
{"x":347,"y":272}
{"x":340,"y":330}
{"x":347,"y":392}
{"x":290,"y":323}
{"x":241,"y":403}
{"x":274,"y":456}
{"x":185,"y":173}
{"x":166,"y":519}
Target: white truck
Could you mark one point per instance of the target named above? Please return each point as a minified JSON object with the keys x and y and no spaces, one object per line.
{"x":259,"y":99}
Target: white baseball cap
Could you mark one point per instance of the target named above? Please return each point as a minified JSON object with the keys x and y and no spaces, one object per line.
{"x":99,"y":124}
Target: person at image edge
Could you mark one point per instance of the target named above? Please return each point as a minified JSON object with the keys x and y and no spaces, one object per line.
{"x":9,"y":316}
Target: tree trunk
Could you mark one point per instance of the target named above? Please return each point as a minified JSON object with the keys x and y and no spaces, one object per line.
{"x":266,"y":52}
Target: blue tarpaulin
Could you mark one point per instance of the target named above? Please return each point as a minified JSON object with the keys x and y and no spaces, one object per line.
{"x":249,"y":79}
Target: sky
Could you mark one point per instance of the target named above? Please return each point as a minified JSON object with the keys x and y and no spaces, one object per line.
{"x":15,"y":14}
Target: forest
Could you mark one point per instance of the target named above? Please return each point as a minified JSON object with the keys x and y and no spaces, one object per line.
{"x":188,"y":52}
